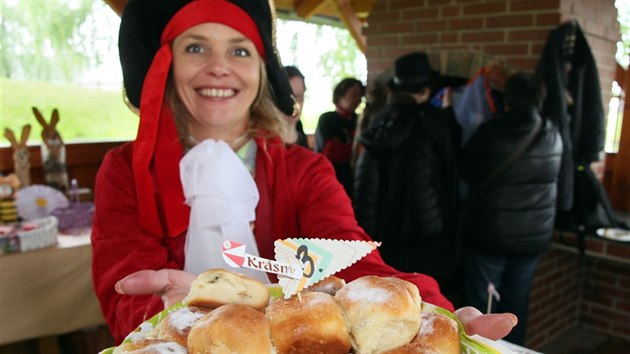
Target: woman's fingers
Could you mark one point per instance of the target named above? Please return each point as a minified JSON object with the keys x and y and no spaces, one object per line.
{"x":178,"y":286}
{"x":493,"y":326}
{"x":170,"y":285}
{"x":467,"y":313}
{"x":143,"y":282}
{"x":156,"y":282}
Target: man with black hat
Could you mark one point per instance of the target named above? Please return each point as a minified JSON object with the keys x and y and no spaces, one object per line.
{"x":405,"y":180}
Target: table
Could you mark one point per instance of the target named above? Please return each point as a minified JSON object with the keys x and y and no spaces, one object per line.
{"x":48,"y":291}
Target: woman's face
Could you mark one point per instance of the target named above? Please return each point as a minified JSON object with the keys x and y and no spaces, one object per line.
{"x":351,"y":99}
{"x":216,"y":71}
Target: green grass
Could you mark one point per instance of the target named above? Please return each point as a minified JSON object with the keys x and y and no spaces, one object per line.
{"x":86,"y":114}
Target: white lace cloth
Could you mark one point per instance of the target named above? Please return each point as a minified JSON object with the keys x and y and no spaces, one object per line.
{"x":222,"y":196}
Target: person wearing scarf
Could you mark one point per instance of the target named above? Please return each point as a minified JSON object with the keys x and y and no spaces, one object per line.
{"x":208,"y":164}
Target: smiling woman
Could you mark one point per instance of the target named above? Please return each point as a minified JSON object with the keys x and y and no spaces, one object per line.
{"x":166,"y":208}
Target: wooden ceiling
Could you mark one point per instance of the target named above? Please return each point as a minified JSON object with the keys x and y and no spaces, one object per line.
{"x":352,"y":14}
{"x":325,"y":8}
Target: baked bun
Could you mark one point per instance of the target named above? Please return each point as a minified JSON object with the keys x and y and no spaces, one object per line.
{"x":217,"y":287}
{"x":312,"y":324}
{"x":329,"y":285}
{"x":150,"y":346}
{"x":382,"y":313}
{"x":438,"y":335}
{"x":176,"y":325}
{"x":232,"y":328}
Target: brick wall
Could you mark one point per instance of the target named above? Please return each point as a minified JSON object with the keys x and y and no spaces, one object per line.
{"x":514,"y":30}
{"x":591,"y":291}
{"x":568,"y":289}
{"x":554,"y":300}
{"x":605,"y":304}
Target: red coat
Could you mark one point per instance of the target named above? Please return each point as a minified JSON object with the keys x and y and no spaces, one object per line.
{"x":299,"y":197}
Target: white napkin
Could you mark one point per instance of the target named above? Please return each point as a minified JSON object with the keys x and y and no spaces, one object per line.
{"x":222,"y":196}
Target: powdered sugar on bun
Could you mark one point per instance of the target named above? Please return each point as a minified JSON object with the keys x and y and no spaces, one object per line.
{"x":426,"y":327}
{"x":329,"y":285}
{"x":177,"y":324}
{"x":231,"y":328}
{"x":382,"y":313}
{"x":150,"y":346}
{"x":438,"y":335}
{"x":182,"y":319}
{"x":312,"y":323}
{"x":366,"y":291}
{"x":441,"y":332}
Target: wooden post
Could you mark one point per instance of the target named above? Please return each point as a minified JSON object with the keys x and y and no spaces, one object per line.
{"x":620,"y":186}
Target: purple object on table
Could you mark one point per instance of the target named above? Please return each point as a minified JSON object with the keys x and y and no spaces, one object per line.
{"x":78,"y":214}
{"x":75,"y":216}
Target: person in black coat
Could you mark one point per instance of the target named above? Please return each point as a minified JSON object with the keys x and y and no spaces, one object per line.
{"x":509,"y":221}
{"x":405,"y":180}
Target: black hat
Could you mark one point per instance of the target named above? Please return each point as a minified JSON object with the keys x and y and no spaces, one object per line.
{"x":143,"y":22}
{"x":412,"y":73}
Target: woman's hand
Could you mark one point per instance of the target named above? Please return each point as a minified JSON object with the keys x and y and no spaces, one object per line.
{"x":492,"y":326}
{"x":169,"y":284}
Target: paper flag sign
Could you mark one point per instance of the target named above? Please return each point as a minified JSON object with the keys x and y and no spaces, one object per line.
{"x":234,"y":255}
{"x":319,"y":258}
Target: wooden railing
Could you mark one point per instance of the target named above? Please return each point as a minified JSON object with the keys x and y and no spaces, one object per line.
{"x":82,"y":159}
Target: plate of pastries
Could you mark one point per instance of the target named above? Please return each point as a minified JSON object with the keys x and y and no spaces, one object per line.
{"x":226,"y":312}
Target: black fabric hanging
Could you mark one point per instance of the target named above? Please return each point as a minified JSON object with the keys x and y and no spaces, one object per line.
{"x":574,"y":103}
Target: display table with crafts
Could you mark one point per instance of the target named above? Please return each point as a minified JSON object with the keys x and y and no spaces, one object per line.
{"x":48,"y":291}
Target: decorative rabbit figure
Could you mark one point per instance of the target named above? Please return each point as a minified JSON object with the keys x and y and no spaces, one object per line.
{"x":53,"y":152}
{"x":21,"y":163}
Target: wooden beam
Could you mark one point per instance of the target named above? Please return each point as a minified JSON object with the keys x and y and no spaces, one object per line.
{"x":352,"y":22}
{"x":619,"y":193}
{"x":307,"y":8}
{"x":116,"y":5}
{"x":620,"y":75}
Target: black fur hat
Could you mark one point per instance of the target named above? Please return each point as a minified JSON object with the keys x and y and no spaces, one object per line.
{"x":412,"y":73}
{"x":141,"y":28}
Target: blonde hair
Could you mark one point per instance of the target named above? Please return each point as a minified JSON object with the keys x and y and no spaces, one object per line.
{"x":266,"y":120}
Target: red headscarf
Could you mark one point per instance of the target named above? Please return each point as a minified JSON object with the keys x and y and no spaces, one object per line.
{"x":157,"y":150}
